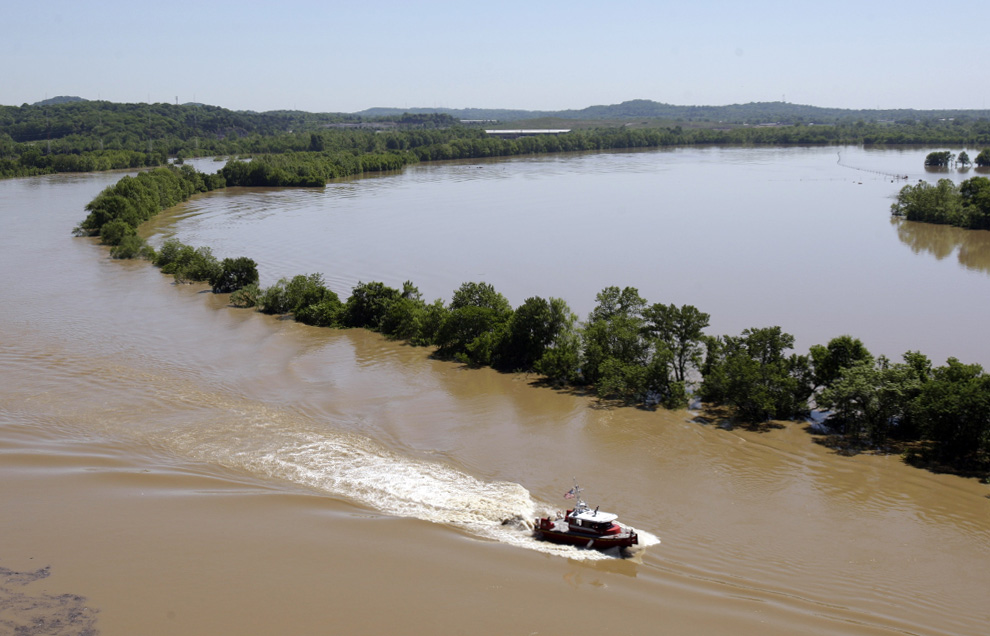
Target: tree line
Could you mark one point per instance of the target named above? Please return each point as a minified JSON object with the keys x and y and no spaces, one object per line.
{"x":86,"y":136}
{"x":115,"y":213}
{"x":628,"y":350}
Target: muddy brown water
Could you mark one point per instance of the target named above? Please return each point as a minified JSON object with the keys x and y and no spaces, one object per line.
{"x":183,"y":467}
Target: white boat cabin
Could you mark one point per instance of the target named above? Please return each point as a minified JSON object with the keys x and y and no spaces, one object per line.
{"x":591,"y":519}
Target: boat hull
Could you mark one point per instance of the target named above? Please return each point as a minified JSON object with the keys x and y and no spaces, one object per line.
{"x":548,"y":530}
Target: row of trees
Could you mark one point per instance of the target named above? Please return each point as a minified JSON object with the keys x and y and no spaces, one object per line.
{"x":627,"y":350}
{"x":965,"y":205}
{"x":309,"y":169}
{"x":117,"y":211}
{"x":945,"y":158}
{"x":635,"y":352}
{"x":86,"y":136}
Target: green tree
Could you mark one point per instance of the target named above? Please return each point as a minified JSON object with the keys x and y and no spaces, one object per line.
{"x":295,"y":296}
{"x":470,"y":334}
{"x":869,"y":398}
{"x":369,"y":303}
{"x":130,"y":246}
{"x":614,"y":331}
{"x":963,"y":159}
{"x":246,"y":296}
{"x":939,"y":159}
{"x":115,"y":231}
{"x":561,"y":361}
{"x":924,"y":202}
{"x":751,"y":373}
{"x":534,"y":327}
{"x":480,"y":295}
{"x":841,"y":352}
{"x":983,"y":159}
{"x":954,"y":411}
{"x":474,"y":328}
{"x":234,"y":274}
{"x":431,"y":322}
{"x":199,"y":266}
{"x":975,"y":195}
{"x":680,"y":329}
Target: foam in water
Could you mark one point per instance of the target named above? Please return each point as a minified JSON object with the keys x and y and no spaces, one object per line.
{"x":358,"y":469}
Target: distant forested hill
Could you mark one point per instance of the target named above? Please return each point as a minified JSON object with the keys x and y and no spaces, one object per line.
{"x":120,"y":125}
{"x":752,"y":113}
{"x":61,"y":99}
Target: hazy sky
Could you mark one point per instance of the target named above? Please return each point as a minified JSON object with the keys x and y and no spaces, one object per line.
{"x":347,"y":56}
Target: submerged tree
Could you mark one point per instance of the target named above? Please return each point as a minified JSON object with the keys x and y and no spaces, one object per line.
{"x":234,"y":274}
{"x":939,"y":159}
{"x":869,"y":398}
{"x":954,"y":411}
{"x":681,"y":330}
{"x":830,"y":360}
{"x":752,"y":373}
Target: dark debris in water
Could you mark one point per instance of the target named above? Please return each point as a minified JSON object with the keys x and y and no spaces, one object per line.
{"x":24,"y":613}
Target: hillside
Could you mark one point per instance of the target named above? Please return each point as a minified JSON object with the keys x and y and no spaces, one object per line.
{"x":752,"y":113}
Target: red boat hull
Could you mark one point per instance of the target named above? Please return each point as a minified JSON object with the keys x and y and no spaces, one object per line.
{"x":549,"y":530}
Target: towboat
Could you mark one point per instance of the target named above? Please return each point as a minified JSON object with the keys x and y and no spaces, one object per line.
{"x":581,"y":526}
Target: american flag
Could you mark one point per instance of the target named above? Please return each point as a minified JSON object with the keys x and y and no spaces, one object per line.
{"x":569,"y":494}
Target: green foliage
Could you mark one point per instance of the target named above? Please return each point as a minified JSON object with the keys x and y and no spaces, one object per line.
{"x":953,"y":408}
{"x":869,"y":398}
{"x":172,"y":250}
{"x":186,"y":263}
{"x":305,"y":296}
{"x":631,"y":352}
{"x":468,"y":334}
{"x":246,"y":296}
{"x":621,"y":380}
{"x":115,"y":231}
{"x":680,"y":329}
{"x":948,"y":406}
{"x":134,"y":200}
{"x":369,"y":304}
{"x":475,"y":326}
{"x":983,"y":159}
{"x":841,"y":352}
{"x":326,"y":312}
{"x":940,"y":159}
{"x":130,"y":246}
{"x":431,"y":321}
{"x":234,"y":274}
{"x":404,"y":320}
{"x":535,"y":327}
{"x":975,"y":196}
{"x":751,"y":373}
{"x":561,"y":361}
{"x":309,"y":169}
{"x":480,"y":295}
{"x":966,"y":205}
{"x":613,"y":331}
{"x":196,"y":265}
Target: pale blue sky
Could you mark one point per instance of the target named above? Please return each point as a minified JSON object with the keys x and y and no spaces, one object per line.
{"x":344,"y":57}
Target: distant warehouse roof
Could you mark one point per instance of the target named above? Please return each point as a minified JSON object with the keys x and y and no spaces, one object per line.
{"x":527,"y":132}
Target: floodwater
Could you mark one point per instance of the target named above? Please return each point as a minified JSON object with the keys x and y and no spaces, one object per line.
{"x":169,"y":465}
